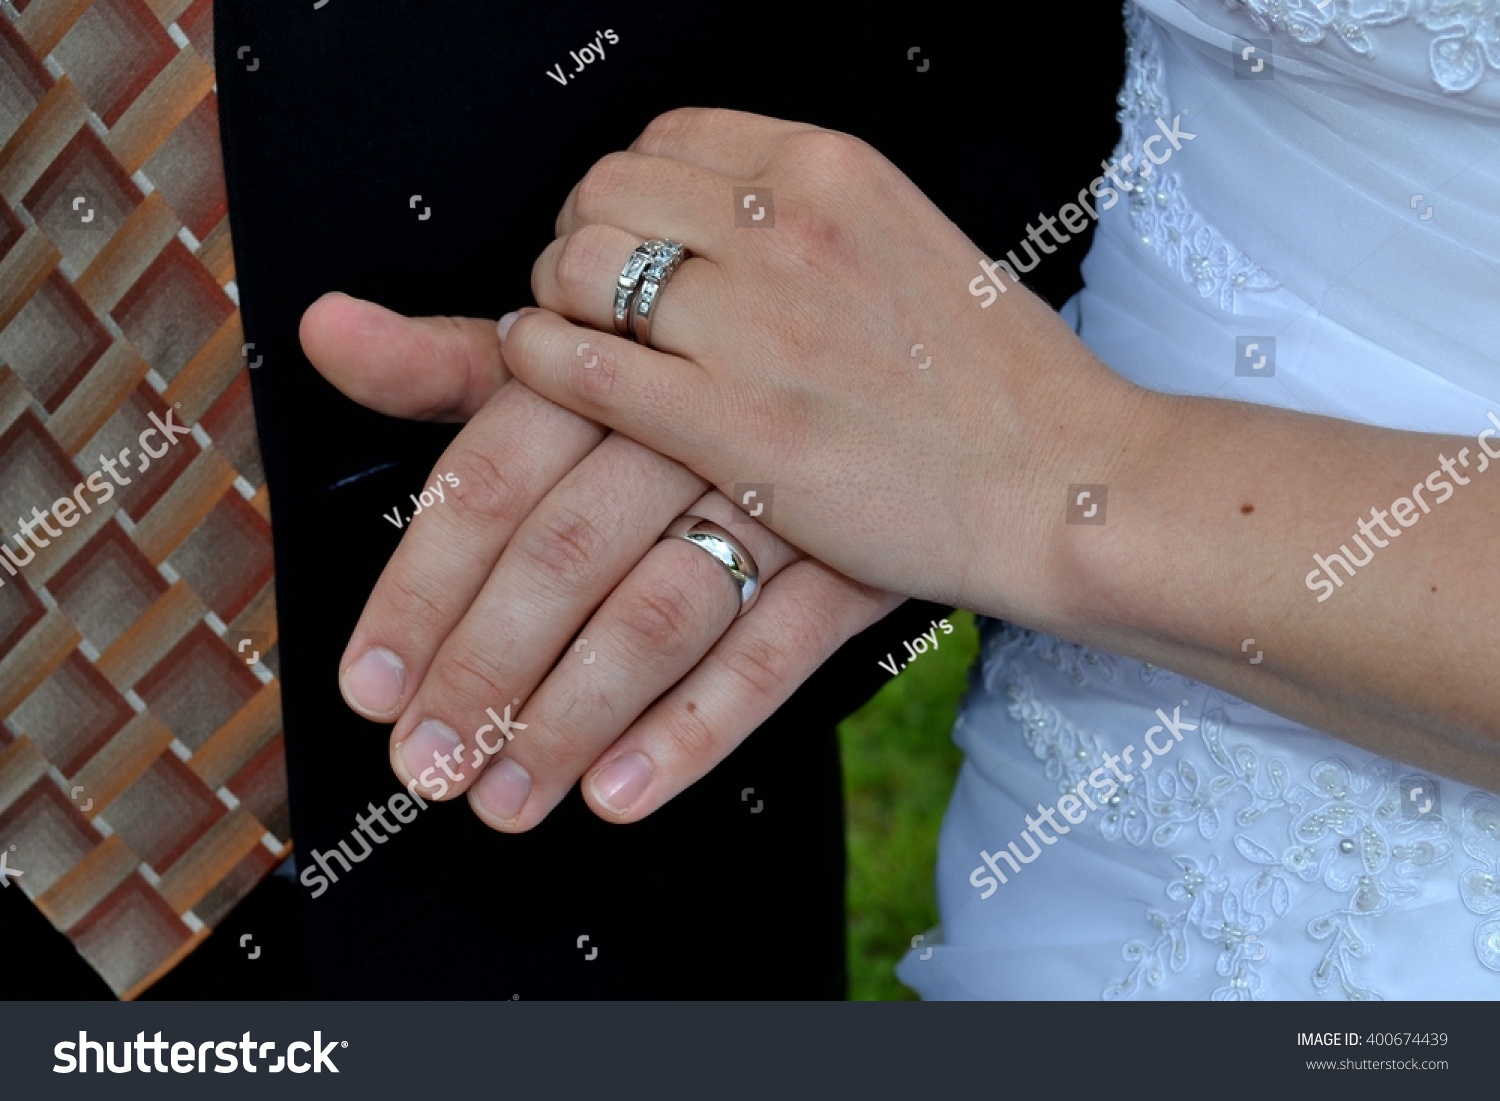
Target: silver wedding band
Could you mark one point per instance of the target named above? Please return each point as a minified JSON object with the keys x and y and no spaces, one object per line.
{"x":726,"y":549}
{"x":639,"y":286}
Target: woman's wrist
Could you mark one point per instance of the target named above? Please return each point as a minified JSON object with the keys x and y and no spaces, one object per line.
{"x":1049,"y":546}
{"x":1094,"y":558}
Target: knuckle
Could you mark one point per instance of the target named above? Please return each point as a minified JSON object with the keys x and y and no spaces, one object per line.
{"x":829,"y":156}
{"x":562,"y":547}
{"x":493,"y":492}
{"x":826,"y":164}
{"x":445,"y":335}
{"x":594,"y":387}
{"x":819,"y":627}
{"x":414,"y":606}
{"x":600,"y":185}
{"x":658,"y":621}
{"x":563,"y":744}
{"x":581,"y":262}
{"x":569,"y":732}
{"x":466,"y":675}
{"x":691,"y":737}
{"x":664,"y":127}
{"x":814,"y":236}
{"x":549,"y":756}
{"x":449,"y":340}
{"x":761,"y":664}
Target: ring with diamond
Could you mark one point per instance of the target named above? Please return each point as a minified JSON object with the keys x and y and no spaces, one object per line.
{"x":629,"y":281}
{"x":666,"y":259}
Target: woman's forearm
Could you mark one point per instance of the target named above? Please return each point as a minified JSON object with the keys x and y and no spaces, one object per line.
{"x":1228,"y":522}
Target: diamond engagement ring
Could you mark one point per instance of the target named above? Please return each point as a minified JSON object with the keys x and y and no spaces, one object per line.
{"x":630,"y":278}
{"x":640,"y":284}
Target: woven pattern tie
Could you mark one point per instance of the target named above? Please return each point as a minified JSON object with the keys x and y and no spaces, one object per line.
{"x":142,"y":776}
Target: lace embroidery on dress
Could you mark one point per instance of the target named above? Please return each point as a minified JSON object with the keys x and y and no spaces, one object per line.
{"x":1479,"y":885}
{"x":1465,"y":33}
{"x":1159,"y":211}
{"x":1343,"y":835}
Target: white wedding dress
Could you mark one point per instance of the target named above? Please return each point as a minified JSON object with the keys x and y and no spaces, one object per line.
{"x":1347,"y":203}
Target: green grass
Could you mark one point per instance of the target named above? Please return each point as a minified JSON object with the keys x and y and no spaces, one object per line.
{"x":899,"y":767}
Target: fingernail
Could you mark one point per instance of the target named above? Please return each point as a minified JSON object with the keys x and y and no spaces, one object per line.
{"x":502,"y":791}
{"x":425,"y":747}
{"x":507,"y":321}
{"x":619,"y":784}
{"x":373,"y":683}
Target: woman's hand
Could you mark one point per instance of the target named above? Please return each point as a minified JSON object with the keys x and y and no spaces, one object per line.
{"x":549,"y":532}
{"x":786,"y":357}
{"x":913,"y":438}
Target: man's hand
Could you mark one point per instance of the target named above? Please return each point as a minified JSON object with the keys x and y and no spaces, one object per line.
{"x":549,"y":533}
{"x":790,"y":355}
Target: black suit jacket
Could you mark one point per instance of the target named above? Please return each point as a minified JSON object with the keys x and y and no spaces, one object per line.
{"x":332,"y":119}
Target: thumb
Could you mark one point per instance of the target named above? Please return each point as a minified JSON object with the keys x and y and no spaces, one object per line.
{"x":420,"y":368}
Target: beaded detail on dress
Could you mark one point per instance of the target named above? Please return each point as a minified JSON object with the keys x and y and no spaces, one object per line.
{"x":1160,"y":212}
{"x":1464,"y":44}
{"x":1332,"y":850}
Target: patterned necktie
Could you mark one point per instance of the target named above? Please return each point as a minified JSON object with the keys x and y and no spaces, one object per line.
{"x":142,"y":777}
